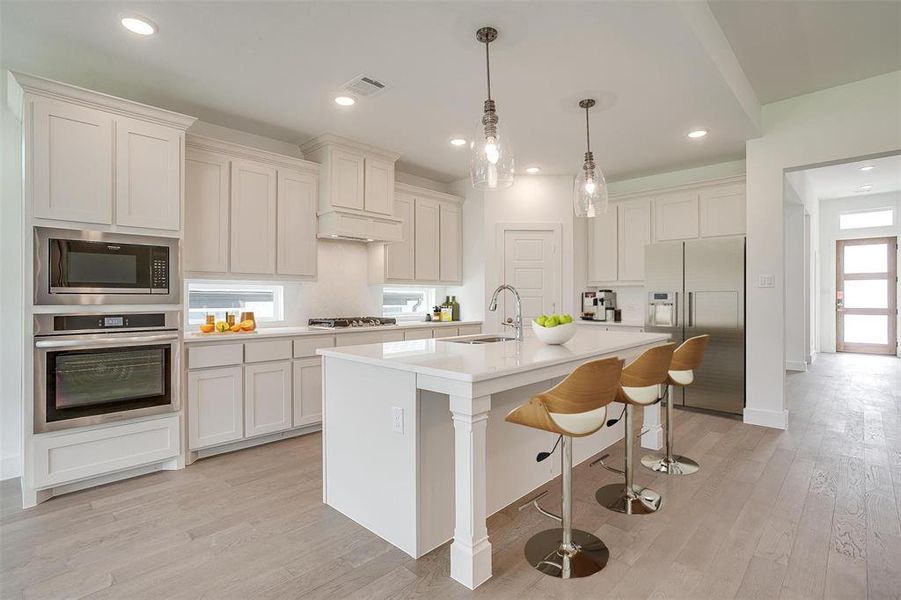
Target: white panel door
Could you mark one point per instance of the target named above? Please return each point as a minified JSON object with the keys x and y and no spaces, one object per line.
{"x":307,"y":391}
{"x":215,"y":407}
{"x":253,"y":217}
{"x":298,"y":194}
{"x":379,"y":186}
{"x":206,"y":212}
{"x":532,"y":265}
{"x":399,"y":255}
{"x":267,"y":398}
{"x":722,"y":211}
{"x":72,"y":170}
{"x":676,"y":216}
{"x":346,"y":179}
{"x":602,"y":246}
{"x":426,"y":232}
{"x":634,"y":235}
{"x":451,"y":243}
{"x":148,"y":175}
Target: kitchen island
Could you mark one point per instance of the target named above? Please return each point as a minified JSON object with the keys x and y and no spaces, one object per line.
{"x":415,"y":447}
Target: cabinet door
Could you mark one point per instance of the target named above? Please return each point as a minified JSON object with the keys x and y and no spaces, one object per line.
{"x":267,"y":398}
{"x":148,"y":175}
{"x":346,"y":179}
{"x":215,"y":407}
{"x":450,"y":243}
{"x":206,"y":212}
{"x":427,"y":246}
{"x":418,"y":334}
{"x":298,"y":194}
{"x":307,"y":391}
{"x":253,"y":216}
{"x":399,"y":255}
{"x":72,"y":170}
{"x":379,"y":187}
{"x":722,"y":211}
{"x":603,"y":250}
{"x":634,"y":235}
{"x":676,"y":216}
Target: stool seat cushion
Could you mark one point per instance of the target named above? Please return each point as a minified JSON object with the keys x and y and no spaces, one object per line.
{"x":581,"y":423}
{"x":681,"y":377}
{"x":642,"y":396}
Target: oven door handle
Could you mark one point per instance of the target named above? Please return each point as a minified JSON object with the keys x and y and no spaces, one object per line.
{"x":105,"y":341}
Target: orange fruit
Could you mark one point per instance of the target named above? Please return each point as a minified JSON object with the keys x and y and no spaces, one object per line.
{"x":221,"y":326}
{"x":248,"y":325}
{"x":235,"y":328}
{"x":207,"y":328}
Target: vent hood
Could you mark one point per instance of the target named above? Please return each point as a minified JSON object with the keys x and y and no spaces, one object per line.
{"x":357,"y":226}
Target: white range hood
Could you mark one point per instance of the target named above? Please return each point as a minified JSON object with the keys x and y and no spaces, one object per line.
{"x":357,"y":226}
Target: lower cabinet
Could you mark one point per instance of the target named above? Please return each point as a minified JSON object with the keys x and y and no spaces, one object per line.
{"x":267,"y":398}
{"x":307,"y":391}
{"x":215,"y":406}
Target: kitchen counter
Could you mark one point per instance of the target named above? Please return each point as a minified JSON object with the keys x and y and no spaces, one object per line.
{"x":415,"y":446}
{"x":612,"y":323}
{"x":274,"y":332}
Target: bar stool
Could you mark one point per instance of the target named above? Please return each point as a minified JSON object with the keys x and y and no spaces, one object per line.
{"x":686,"y":359}
{"x":641,"y":385}
{"x":576,"y":407}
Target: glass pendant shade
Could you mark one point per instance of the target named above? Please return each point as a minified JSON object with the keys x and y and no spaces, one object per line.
{"x":491,"y":164}
{"x":590,"y":192}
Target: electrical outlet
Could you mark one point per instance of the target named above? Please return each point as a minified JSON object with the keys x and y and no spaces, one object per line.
{"x":766,"y":281}
{"x":397,"y":419}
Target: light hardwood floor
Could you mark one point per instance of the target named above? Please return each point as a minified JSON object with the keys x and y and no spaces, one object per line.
{"x":808,"y":513}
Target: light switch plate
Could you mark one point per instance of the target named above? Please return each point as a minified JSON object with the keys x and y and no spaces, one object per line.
{"x":766,"y":281}
{"x":397,"y":419}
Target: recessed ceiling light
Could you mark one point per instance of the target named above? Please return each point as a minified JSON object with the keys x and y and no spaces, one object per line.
{"x":867,"y":168}
{"x":458,"y":142}
{"x":138,"y":25}
{"x":345,"y":100}
{"x":533,"y":170}
{"x":697,"y":133}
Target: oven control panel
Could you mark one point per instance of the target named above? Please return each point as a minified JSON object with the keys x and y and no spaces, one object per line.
{"x":70,"y":323}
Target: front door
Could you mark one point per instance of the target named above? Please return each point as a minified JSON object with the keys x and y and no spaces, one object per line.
{"x":532,"y":265}
{"x":865,"y":298}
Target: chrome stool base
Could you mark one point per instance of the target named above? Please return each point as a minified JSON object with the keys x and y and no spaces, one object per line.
{"x":545,"y":552}
{"x":643,"y":501}
{"x":677,"y":465}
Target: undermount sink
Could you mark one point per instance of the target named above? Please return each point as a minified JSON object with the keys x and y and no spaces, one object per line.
{"x":484,"y":339}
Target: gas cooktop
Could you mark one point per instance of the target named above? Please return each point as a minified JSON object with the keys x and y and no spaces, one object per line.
{"x":344,"y":322}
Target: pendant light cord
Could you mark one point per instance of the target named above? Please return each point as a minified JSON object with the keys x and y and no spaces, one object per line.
{"x":587,"y":131}
{"x":488,"y":69}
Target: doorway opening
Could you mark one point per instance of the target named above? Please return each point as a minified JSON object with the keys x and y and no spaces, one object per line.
{"x":865,"y":295}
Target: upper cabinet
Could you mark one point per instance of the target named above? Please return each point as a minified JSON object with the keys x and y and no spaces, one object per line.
{"x":603,"y":236}
{"x":450,"y":236}
{"x":399,"y":255}
{"x":722,"y":210}
{"x":634,"y":231}
{"x":102,"y":162}
{"x":248,"y":211}
{"x":427,"y":246}
{"x":676,"y":216}
{"x":356,"y":191}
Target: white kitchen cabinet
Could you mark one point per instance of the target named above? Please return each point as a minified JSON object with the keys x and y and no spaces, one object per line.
{"x":722,"y":210}
{"x":399,"y":255}
{"x":634,"y":233}
{"x":469,"y":329}
{"x":443,"y":332}
{"x":417,"y":334}
{"x":307,"y":391}
{"x":427,"y":245}
{"x":450,"y":236}
{"x":72,"y":162}
{"x":603,"y":261}
{"x":347,"y":179}
{"x":148,"y":175}
{"x":253,"y":217}
{"x":267,"y":398}
{"x":298,"y":194}
{"x":206,"y":212}
{"x":369,"y":337}
{"x":378,"y":195}
{"x":215,"y":406}
{"x":676,"y":216}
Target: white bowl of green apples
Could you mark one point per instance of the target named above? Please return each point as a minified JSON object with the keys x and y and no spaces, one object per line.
{"x":554,"y":329}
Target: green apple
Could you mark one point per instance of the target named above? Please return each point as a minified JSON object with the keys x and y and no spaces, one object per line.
{"x":552,"y":321}
{"x":541,"y":320}
{"x":566,"y":318}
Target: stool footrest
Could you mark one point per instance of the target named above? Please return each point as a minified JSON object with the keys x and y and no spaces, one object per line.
{"x":605,"y":465}
{"x":534,"y":502}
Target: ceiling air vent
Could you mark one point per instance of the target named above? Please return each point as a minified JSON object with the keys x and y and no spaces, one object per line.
{"x":364,"y":86}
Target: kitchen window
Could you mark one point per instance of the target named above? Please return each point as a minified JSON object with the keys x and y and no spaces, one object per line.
{"x":266,"y":301}
{"x":407,"y":303}
{"x":883,"y":217}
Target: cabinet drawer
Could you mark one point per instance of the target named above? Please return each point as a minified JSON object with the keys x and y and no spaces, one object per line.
{"x":369,"y":337}
{"x":200,"y":357}
{"x":442,"y":332}
{"x":469,"y":329}
{"x":69,"y":457}
{"x":418,"y":334}
{"x":266,"y":351}
{"x":308,"y":346}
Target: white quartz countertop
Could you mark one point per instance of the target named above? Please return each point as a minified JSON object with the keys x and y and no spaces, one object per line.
{"x":478,"y":362}
{"x":273,"y":332}
{"x":612,"y":323}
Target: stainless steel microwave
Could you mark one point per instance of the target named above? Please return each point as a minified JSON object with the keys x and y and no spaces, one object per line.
{"x":91,"y":267}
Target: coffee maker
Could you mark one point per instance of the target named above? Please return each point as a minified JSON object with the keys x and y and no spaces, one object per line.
{"x":606,"y":309}
{"x":589,"y":305}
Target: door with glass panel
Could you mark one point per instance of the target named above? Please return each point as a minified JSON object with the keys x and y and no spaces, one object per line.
{"x":865,"y":297}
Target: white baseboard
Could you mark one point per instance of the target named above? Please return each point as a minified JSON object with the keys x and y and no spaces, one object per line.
{"x":10,"y":467}
{"x":811,"y":358}
{"x":766,"y":418}
{"x":796,"y":365}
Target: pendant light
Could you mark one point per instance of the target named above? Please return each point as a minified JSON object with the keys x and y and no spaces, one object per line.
{"x":491,"y":161}
{"x":590,"y":189}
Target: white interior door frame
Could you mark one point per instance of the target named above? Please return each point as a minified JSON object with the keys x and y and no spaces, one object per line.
{"x":501,"y":230}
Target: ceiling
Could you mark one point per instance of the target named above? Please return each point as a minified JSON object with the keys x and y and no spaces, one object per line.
{"x":273,"y":68}
{"x":846,"y":180}
{"x":792,"y":47}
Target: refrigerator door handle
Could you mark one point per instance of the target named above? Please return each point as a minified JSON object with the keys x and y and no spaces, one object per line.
{"x":690,"y":309}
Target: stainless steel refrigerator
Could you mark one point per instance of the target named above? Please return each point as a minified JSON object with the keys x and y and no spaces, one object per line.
{"x":698,"y":287}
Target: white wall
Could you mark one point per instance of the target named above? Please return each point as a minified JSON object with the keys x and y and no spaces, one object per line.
{"x":853,"y":120}
{"x":795,"y":330}
{"x":829,"y":217}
